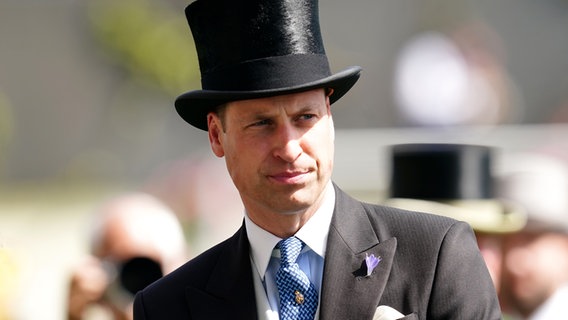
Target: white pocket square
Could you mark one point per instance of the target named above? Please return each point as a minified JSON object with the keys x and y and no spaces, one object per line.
{"x":387,"y":313}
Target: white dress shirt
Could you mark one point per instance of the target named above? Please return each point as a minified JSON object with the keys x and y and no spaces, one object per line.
{"x":266,"y":260}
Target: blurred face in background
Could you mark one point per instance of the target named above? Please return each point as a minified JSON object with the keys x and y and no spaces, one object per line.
{"x":535,"y":265}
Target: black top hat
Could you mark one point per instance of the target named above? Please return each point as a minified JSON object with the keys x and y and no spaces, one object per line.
{"x":441,"y":172}
{"x":257,"y":48}
{"x":453,"y":180}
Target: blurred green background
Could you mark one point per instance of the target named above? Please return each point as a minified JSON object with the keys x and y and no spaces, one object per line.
{"x":86,"y":111}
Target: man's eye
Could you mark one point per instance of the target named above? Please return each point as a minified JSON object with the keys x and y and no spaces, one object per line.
{"x":261,"y":123}
{"x":307,"y":116}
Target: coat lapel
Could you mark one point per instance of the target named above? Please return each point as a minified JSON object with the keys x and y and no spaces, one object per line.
{"x":229,"y":292}
{"x":347,"y":293}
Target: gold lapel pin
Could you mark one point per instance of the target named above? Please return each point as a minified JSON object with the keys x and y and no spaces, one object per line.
{"x":299,"y":297}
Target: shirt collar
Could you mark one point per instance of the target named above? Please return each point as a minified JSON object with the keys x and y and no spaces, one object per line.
{"x":313,"y":233}
{"x":554,"y":306}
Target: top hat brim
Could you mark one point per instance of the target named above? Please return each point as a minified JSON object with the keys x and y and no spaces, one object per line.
{"x":193,"y":106}
{"x":491,"y":216}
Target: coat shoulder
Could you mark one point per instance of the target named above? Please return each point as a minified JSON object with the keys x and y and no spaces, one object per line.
{"x":194,"y":272}
{"x":400,"y":218}
{"x":392,"y":222}
{"x":169,"y":292}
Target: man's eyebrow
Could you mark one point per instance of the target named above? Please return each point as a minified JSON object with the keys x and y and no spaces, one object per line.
{"x":312,"y":107}
{"x":307,"y":107}
{"x":263,"y":114}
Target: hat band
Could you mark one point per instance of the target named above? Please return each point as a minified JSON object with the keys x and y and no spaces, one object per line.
{"x":268,"y":73}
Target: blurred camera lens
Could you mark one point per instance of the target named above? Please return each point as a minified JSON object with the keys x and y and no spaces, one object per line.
{"x":137,"y":273}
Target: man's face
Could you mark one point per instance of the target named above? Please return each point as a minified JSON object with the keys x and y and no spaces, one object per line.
{"x":278,"y":150}
{"x":535,"y":265}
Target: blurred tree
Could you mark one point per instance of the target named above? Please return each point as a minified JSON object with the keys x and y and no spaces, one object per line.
{"x":147,"y":38}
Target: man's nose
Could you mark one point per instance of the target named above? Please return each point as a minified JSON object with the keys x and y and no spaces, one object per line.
{"x":287,"y":146}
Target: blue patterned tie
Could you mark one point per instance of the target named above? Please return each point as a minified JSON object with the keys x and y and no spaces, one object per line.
{"x":298,"y":297}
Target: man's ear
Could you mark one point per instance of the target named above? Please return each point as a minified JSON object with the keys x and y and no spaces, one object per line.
{"x":215,"y":130}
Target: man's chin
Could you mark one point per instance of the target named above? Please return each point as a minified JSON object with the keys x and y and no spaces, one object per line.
{"x":298,"y":201}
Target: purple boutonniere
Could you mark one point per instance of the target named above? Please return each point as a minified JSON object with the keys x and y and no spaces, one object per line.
{"x":372,"y":262}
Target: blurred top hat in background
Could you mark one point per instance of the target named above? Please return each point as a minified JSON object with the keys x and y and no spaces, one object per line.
{"x":453,"y":180}
{"x":257,"y":48}
{"x":539,"y":183}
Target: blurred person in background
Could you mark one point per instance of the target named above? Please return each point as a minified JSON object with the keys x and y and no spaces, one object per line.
{"x":135,"y":240}
{"x":457,"y":181}
{"x":535,"y":274}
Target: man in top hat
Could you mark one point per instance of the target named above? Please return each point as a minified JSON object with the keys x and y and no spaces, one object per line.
{"x":457,"y":181}
{"x":535,"y":272}
{"x":306,"y":250}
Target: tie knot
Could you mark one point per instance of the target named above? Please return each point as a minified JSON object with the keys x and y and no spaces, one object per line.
{"x":290,"y":249}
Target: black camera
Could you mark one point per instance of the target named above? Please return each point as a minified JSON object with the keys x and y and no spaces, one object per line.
{"x":129,"y":277}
